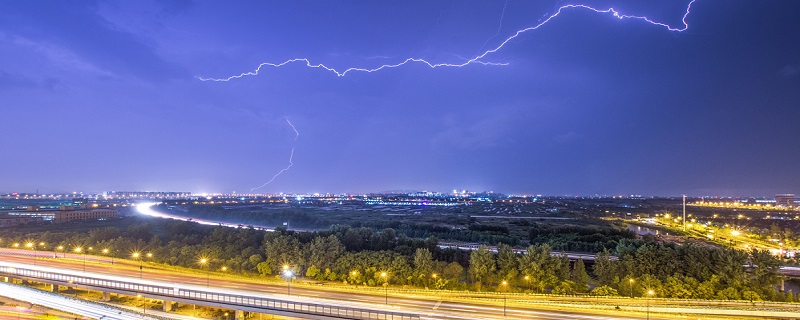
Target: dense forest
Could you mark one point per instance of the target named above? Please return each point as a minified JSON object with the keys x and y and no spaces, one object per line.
{"x":358,"y":255}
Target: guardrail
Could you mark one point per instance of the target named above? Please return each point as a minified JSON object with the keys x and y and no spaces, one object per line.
{"x":215,"y":297}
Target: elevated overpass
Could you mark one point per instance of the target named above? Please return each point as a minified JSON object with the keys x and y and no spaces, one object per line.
{"x":170,"y":293}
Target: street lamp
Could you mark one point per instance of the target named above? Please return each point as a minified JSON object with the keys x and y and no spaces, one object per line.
{"x":144,"y":303}
{"x":80,"y":250}
{"x":61,"y":248}
{"x":630,"y":281}
{"x":385,"y":277}
{"x":649,"y":294}
{"x":106,"y":252}
{"x":528,"y":282}
{"x":505,"y":286}
{"x":288,"y":274}
{"x":32,"y":246}
{"x":204,"y":262}
{"x":138,"y":255}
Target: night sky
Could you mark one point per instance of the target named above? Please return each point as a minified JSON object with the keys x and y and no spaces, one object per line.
{"x":99,"y":96}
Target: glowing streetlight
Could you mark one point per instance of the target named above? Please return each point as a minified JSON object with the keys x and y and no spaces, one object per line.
{"x":32,"y":246}
{"x":204,"y":262}
{"x":106,"y":252}
{"x":61,"y":248}
{"x":82,"y":252}
{"x":138,"y":255}
{"x":650,"y":293}
{"x":630,"y":281}
{"x":385,"y":277}
{"x":505,"y":287}
{"x":288,"y":274}
{"x":528,"y":282}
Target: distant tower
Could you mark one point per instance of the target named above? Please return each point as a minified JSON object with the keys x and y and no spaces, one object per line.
{"x":684,"y":213}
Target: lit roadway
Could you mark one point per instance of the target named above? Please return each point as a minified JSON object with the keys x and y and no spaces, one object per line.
{"x":62,"y":303}
{"x":427,"y":305}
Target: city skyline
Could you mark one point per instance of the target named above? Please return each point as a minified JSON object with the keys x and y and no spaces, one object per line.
{"x":108,"y":96}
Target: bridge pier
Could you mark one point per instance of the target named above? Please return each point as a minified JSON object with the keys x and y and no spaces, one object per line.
{"x":168,"y":305}
{"x":239,"y":315}
{"x":783,"y":285}
{"x":50,"y":287}
{"x":106,"y":296}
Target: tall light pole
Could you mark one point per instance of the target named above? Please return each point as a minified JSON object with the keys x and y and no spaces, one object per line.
{"x":138,"y":255}
{"x":385,"y":277}
{"x":204,"y":262}
{"x":288,"y":274}
{"x":32,"y":246}
{"x":630,"y":281}
{"x":505,"y":286}
{"x":649,"y":294}
{"x":106,"y":252}
{"x":82,"y":252}
{"x":684,"y":213}
{"x":61,"y":248}
{"x":528,"y":282}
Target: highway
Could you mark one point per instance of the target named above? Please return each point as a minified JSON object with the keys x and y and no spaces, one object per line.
{"x":66,"y":304}
{"x":427,"y":304}
{"x":428,"y":307}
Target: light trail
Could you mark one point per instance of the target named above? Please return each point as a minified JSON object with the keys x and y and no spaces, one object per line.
{"x":475,"y":60}
{"x":291,"y":156}
{"x":146,"y":209}
{"x":65,"y":304}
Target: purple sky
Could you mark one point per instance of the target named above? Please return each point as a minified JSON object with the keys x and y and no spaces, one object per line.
{"x":106,"y":96}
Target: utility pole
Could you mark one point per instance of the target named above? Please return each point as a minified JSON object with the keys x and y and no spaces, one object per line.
{"x":684,"y":213}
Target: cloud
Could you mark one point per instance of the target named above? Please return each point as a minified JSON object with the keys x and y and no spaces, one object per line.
{"x":463,"y":132}
{"x":76,"y":34}
{"x":8,"y":80}
{"x":567,"y":137}
{"x":790,"y":70}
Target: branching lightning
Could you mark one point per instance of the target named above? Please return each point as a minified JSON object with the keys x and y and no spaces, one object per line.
{"x":475,"y":60}
{"x":291,"y":156}
{"x":499,"y":26}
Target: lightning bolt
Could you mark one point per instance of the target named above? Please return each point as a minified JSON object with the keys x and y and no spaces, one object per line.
{"x":291,"y":156}
{"x":476,"y":59}
{"x":500,"y":26}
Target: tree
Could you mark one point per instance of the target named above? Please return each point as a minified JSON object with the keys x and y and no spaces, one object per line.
{"x":604,"y":291}
{"x":453,"y":271}
{"x":481,"y":265}
{"x":708,"y":289}
{"x":507,"y":266}
{"x":764,"y":269}
{"x":423,"y":262}
{"x":324,"y":251}
{"x":580,"y":277}
{"x":604,"y":268}
{"x":281,"y":250}
{"x":312,"y":271}
{"x":264,"y":268}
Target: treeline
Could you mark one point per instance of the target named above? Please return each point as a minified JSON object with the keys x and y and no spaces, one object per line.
{"x":591,"y":238}
{"x":362,"y":255}
{"x":691,"y":272}
{"x":304,"y":218}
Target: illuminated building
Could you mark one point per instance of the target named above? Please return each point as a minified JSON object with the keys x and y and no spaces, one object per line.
{"x":786,"y":200}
